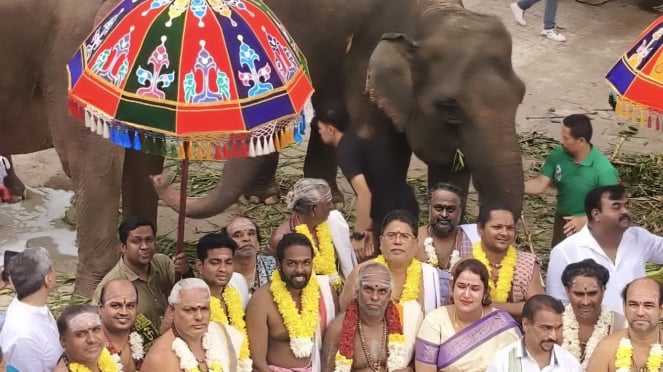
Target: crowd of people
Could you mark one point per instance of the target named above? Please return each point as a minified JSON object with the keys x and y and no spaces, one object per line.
{"x":393,"y":297}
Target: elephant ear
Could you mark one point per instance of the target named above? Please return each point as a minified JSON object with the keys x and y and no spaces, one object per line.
{"x":389,"y":77}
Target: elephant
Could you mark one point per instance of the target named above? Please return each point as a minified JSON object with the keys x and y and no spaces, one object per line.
{"x":426,"y":77}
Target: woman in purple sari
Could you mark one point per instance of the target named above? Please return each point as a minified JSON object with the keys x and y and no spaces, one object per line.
{"x":463,"y":336}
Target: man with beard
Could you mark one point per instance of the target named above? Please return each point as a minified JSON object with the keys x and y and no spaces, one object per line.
{"x":574,"y":168}
{"x":611,"y":241}
{"x":255,"y":268}
{"x":355,"y":339}
{"x":443,"y":242}
{"x":117,"y":308}
{"x":153,"y":274}
{"x":82,"y":338}
{"x":287,"y":318}
{"x":514,"y":275}
{"x":539,"y":348}
{"x":215,"y":264}
{"x":637,"y":347}
{"x":193,"y":343}
{"x":586,"y":322}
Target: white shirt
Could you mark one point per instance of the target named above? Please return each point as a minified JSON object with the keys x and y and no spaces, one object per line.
{"x":29,"y":338}
{"x":340,"y":232}
{"x":637,"y":247}
{"x":560,"y":360}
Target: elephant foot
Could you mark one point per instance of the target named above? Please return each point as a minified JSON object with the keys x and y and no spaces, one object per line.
{"x":268,"y":195}
{"x":270,"y":200}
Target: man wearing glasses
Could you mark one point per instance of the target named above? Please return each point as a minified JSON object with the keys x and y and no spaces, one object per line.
{"x":416,"y":285}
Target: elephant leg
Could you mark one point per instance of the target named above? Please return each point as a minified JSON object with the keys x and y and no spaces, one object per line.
{"x":13,"y":183}
{"x":138,"y":195}
{"x":321,"y":162}
{"x":265,"y":189}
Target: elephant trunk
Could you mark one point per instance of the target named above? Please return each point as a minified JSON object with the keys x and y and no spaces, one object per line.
{"x":495,"y":160}
{"x":237,"y":175}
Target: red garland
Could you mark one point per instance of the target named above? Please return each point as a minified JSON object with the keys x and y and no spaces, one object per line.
{"x":346,"y":342}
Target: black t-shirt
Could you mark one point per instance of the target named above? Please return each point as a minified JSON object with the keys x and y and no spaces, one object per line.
{"x":385,"y":175}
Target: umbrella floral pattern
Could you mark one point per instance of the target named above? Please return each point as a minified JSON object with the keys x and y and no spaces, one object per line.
{"x":223,"y":75}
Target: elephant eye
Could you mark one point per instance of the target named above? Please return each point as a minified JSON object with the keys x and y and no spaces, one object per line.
{"x":445,"y":104}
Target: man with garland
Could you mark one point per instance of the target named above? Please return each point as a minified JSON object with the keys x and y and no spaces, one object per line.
{"x":611,"y":241}
{"x":515,"y":275}
{"x":117,"y":309}
{"x":255,"y":268}
{"x":193,"y":343}
{"x":638,"y":347}
{"x":215,"y":264}
{"x":416,"y":287}
{"x":586,"y":322}
{"x":538,"y":350}
{"x":367,"y":337}
{"x":442,"y":242}
{"x":82,"y":338}
{"x":314,"y":216}
{"x":152,"y":273}
{"x":287,"y":318}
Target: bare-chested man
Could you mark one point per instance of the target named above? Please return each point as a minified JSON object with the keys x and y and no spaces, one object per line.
{"x":193,"y":342}
{"x":286,"y":319}
{"x":364,"y":323}
{"x":643,"y":305}
{"x":82,"y":339}
{"x":117,"y":308}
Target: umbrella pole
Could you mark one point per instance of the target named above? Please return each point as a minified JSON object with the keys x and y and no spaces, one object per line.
{"x":182,"y":213}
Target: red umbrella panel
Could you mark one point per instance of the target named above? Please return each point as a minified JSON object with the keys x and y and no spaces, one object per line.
{"x":637,"y":79}
{"x":223,"y":75}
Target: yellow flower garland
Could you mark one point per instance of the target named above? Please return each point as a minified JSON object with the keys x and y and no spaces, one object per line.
{"x":301,"y":326}
{"x":624,"y":354}
{"x":412,"y":280}
{"x":324,"y":261}
{"x":233,"y":301}
{"x":105,"y":364}
{"x":498,"y":292}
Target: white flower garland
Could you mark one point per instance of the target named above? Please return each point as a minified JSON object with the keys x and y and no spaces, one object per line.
{"x":396,"y":359}
{"x":429,"y":248}
{"x":118,"y":362}
{"x":136,"y":346}
{"x":572,"y":328}
{"x":188,"y":361}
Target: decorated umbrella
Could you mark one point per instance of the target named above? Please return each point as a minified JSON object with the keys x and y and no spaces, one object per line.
{"x":637,"y":79}
{"x":191,"y":79}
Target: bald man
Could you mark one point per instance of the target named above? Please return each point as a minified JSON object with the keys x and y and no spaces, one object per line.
{"x":643,"y":308}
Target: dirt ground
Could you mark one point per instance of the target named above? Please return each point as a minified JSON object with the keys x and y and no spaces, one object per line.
{"x":561,"y":78}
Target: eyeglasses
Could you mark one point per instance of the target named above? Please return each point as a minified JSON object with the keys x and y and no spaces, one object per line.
{"x":391,"y":236}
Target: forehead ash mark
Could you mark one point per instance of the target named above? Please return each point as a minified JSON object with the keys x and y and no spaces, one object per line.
{"x":241,"y":224}
{"x":83,"y":321}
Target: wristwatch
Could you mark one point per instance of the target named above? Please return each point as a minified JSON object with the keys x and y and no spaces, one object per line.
{"x":358,"y":235}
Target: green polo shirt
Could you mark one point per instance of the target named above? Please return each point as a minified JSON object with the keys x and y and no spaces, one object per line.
{"x":153,"y":293}
{"x":574,"y":180}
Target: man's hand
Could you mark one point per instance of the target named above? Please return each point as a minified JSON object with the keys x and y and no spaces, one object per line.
{"x":4,"y":284}
{"x":364,"y":248}
{"x":574,"y":224}
{"x":181,"y":266}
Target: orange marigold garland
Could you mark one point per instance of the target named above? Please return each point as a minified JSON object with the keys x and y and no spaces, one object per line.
{"x":395,"y":343}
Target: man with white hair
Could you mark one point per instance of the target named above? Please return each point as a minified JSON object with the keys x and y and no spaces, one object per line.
{"x":193,"y":342}
{"x":29,"y":337}
{"x":313,"y":215}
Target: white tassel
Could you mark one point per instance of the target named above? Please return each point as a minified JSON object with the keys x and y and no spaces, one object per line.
{"x":270,"y":145}
{"x":252,"y":149}
{"x":100,"y":126}
{"x":88,"y":119}
{"x":93,"y":124}
{"x":106,"y":133}
{"x":260,"y":151}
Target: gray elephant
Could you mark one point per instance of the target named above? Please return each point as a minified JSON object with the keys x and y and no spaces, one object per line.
{"x":425,"y":76}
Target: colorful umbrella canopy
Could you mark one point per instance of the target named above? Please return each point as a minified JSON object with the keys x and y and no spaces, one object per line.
{"x":222,"y":75}
{"x":637,"y":79}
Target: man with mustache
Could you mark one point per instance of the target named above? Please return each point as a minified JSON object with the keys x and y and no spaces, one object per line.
{"x":82,"y":338}
{"x":255,"y":268}
{"x":574,"y":168}
{"x":443,"y":241}
{"x":287,"y":318}
{"x":514,"y":274}
{"x":539,"y":348}
{"x":611,"y":241}
{"x":117,"y":308}
{"x":641,"y":341}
